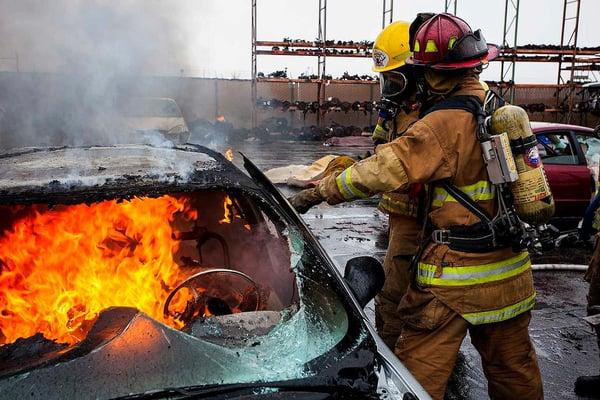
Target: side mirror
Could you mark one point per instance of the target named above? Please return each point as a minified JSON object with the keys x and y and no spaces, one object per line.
{"x":365,"y":277}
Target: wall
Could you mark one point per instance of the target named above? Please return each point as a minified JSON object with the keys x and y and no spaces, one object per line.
{"x":47,"y":96}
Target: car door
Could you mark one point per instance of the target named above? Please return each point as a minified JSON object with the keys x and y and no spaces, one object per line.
{"x":590,"y":148}
{"x":568,"y":175}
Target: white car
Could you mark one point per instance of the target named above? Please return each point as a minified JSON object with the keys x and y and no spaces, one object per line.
{"x":151,"y":115}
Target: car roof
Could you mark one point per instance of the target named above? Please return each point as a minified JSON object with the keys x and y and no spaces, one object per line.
{"x":111,"y":171}
{"x":537,"y":127}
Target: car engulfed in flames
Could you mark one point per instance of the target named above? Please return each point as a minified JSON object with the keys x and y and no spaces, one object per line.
{"x":62,"y":266}
{"x":136,"y":271}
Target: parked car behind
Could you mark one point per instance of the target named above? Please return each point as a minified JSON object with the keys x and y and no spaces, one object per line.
{"x":152,"y":115}
{"x":571,"y":155}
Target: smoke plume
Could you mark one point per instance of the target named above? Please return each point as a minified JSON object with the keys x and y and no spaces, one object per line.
{"x":76,"y":58}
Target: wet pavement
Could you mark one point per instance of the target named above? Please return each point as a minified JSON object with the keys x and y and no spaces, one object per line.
{"x":565,"y":345}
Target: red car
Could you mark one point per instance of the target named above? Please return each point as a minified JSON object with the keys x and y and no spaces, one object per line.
{"x":571,"y":155}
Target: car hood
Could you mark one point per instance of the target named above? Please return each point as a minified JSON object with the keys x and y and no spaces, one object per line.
{"x":70,"y":174}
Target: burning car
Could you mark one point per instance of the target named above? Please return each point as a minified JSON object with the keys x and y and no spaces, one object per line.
{"x":142,"y":272}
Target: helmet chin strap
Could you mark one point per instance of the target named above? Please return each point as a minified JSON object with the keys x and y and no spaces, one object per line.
{"x":423,"y":94}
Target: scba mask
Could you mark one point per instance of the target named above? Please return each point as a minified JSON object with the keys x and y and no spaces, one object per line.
{"x":393,"y":85}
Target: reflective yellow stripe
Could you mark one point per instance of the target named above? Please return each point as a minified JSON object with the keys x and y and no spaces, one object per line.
{"x":451,"y":42}
{"x":346,"y":187}
{"x":475,"y":274}
{"x":431,"y":47}
{"x":482,"y":190}
{"x":417,"y":46}
{"x":502,"y":314}
{"x":403,"y":56}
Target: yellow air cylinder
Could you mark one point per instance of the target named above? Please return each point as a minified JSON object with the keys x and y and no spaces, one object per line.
{"x":531,"y":192}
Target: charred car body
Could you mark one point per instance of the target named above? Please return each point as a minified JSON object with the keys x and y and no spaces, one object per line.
{"x":145,"y":272}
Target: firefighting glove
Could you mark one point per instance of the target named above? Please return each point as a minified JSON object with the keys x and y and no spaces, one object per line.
{"x":380,"y":135}
{"x":306,"y":199}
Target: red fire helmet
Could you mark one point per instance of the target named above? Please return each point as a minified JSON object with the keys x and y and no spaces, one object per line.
{"x":447,"y":42}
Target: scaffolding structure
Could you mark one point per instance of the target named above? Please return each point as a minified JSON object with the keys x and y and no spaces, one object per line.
{"x":254,"y":72}
{"x":450,"y":6}
{"x":568,"y":42}
{"x":388,"y":13}
{"x":322,"y":48}
{"x":575,"y":64}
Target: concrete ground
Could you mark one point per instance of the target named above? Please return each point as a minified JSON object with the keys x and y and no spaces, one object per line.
{"x":565,"y":345}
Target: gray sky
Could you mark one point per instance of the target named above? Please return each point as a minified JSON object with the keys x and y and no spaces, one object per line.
{"x":212,"y":37}
{"x":229,"y":54}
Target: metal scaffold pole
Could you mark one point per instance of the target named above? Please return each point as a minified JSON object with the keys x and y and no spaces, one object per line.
{"x":450,"y":6}
{"x":388,"y":13}
{"x":568,"y":41}
{"x":507,"y":68}
{"x":322,"y":57}
{"x":254,"y":73}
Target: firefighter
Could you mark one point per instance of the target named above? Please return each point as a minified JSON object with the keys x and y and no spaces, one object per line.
{"x":468,"y":276}
{"x":397,"y":112}
{"x":590,"y":385}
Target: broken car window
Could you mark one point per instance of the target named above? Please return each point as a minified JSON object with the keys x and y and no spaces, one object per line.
{"x":186,"y":289}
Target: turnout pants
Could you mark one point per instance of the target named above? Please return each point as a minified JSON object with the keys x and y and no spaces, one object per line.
{"x":593,"y":277}
{"x":402,"y":245}
{"x":431,"y":338}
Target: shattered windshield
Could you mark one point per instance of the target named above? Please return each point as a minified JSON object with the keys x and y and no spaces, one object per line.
{"x":132,"y":295}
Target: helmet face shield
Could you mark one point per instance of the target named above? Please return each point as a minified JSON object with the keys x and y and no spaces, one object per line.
{"x":471,"y":45}
{"x":392,"y":84}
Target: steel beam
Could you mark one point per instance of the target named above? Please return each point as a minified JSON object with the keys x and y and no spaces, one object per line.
{"x":568,"y":41}
{"x":509,"y":39}
{"x":254,"y":72}
{"x":388,"y":13}
{"x":450,"y":6}
{"x":322,"y":57}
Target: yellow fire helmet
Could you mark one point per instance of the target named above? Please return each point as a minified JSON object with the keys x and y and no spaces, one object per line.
{"x":391,"y":47}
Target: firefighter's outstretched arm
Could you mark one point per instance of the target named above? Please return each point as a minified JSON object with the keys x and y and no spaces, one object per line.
{"x":413,"y":158}
{"x":382,"y":172}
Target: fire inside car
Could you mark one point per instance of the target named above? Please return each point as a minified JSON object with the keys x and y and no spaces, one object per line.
{"x":185,"y":289}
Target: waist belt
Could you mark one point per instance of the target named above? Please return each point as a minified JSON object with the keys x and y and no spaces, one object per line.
{"x":476,"y":238}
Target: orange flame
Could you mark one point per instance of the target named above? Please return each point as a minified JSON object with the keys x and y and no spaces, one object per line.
{"x":227,"y":203}
{"x":59,"y":268}
{"x":229,"y":154}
